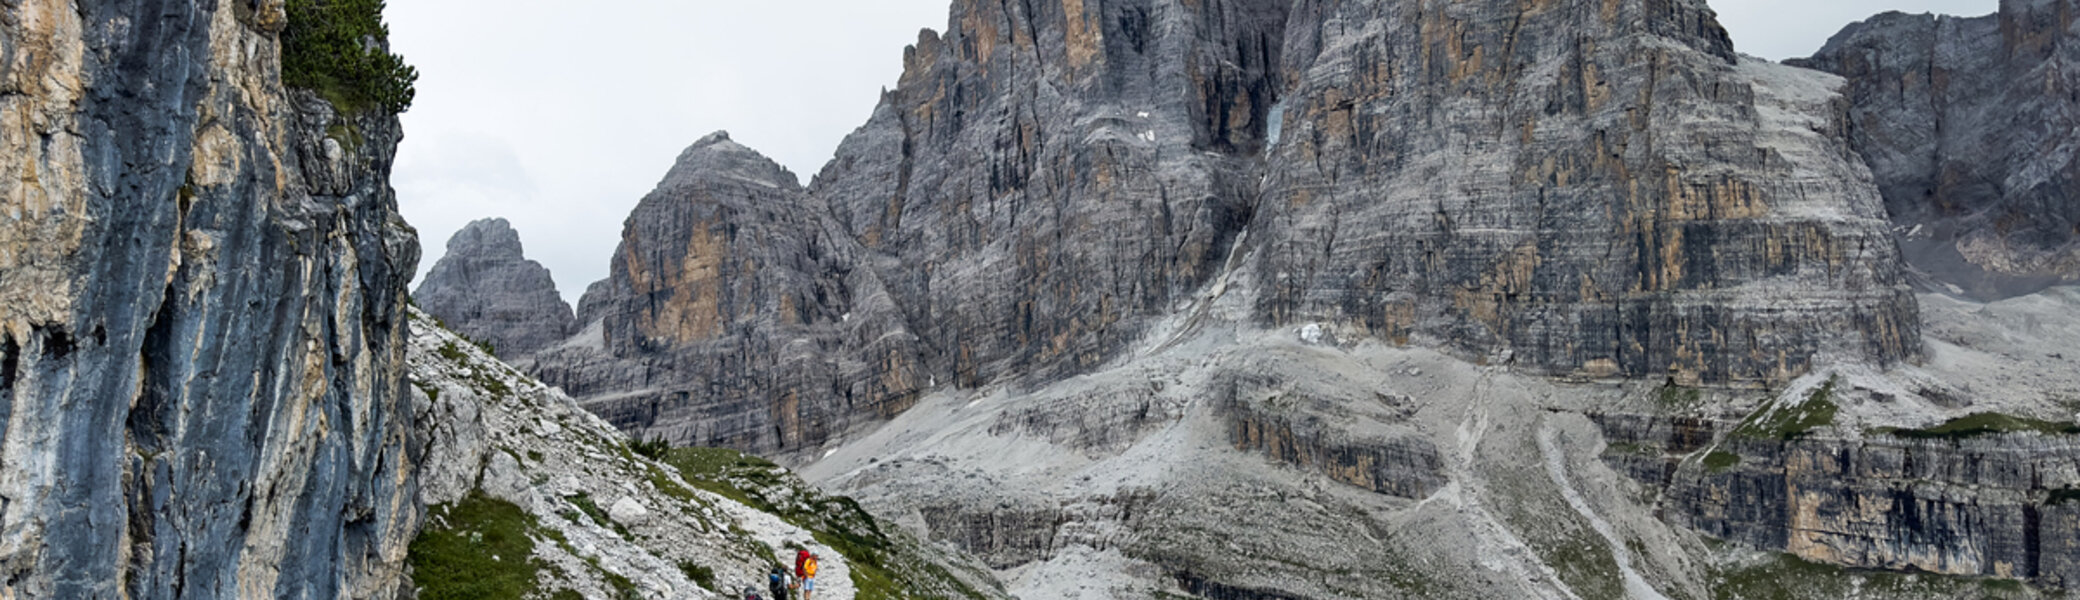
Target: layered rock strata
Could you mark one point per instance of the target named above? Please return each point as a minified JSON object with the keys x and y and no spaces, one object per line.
{"x":1968,"y":124}
{"x":201,"y":315}
{"x":1580,"y":188}
{"x":487,"y":289}
{"x":1997,"y":505}
{"x":1583,"y":189}
{"x":737,"y":314}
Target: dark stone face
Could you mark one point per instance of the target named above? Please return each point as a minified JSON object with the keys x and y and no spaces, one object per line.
{"x":1574,"y":188}
{"x":486,"y":289}
{"x":209,"y":385}
{"x":1965,"y":122}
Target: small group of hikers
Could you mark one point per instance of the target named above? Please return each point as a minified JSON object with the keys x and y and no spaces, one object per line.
{"x":779,"y":583}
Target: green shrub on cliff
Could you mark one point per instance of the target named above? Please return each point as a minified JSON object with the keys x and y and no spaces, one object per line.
{"x":335,"y":47}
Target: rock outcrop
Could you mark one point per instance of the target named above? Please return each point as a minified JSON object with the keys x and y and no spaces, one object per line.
{"x":487,"y":289}
{"x":507,"y":454}
{"x":737,"y":314}
{"x":202,"y":315}
{"x":1585,"y":190}
{"x":1580,"y":188}
{"x":1969,"y":126}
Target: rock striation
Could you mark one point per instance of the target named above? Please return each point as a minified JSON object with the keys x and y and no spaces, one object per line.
{"x":1590,"y":190}
{"x":737,"y":314}
{"x":1997,"y":505}
{"x":486,"y":288}
{"x":1968,"y":125}
{"x":202,"y":315}
{"x":1579,"y":188}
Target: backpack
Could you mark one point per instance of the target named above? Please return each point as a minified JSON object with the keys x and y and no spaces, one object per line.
{"x":777,"y":578}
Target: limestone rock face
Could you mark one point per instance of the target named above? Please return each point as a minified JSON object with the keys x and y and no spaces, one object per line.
{"x":1994,"y":506}
{"x":1574,"y":187}
{"x":201,"y":315}
{"x":487,"y":289}
{"x":1969,"y":126}
{"x":737,"y":314}
{"x":1599,"y":189}
{"x":1048,"y":174}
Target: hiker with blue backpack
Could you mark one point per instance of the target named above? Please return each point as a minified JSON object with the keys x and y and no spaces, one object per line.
{"x":777,"y":582}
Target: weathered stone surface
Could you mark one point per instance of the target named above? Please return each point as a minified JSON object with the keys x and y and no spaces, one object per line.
{"x":487,"y":289}
{"x":1047,"y":174}
{"x":737,"y":315}
{"x":1575,"y":187}
{"x":614,"y":514}
{"x":1995,"y":505}
{"x":202,"y":315}
{"x":1597,"y":189}
{"x":1969,"y":126}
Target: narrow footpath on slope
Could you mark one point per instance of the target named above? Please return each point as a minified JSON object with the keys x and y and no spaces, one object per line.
{"x":833,"y":578}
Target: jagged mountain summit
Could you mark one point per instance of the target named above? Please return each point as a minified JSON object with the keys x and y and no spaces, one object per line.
{"x":737,"y":314}
{"x":1591,"y":191}
{"x":487,"y":289}
{"x":1969,"y":125}
{"x":1554,"y":299}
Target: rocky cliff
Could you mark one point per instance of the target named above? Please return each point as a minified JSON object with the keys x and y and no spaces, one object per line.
{"x":737,"y":314}
{"x":1968,"y":124}
{"x":1589,"y":190}
{"x":487,"y":289}
{"x":202,"y":322}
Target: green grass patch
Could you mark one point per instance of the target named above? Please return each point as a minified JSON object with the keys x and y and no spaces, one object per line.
{"x":335,"y":48}
{"x":1979,"y":424}
{"x":1676,"y":396}
{"x":882,"y":568}
{"x":1718,"y":461}
{"x":591,"y":509}
{"x":1787,"y":577}
{"x":623,"y":588}
{"x":1632,"y":449}
{"x":1786,"y":424}
{"x":656,"y":448}
{"x":480,"y":547}
{"x":703,"y":576}
{"x":453,"y":353}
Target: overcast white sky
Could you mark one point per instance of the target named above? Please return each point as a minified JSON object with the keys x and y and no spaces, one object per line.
{"x":560,"y":115}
